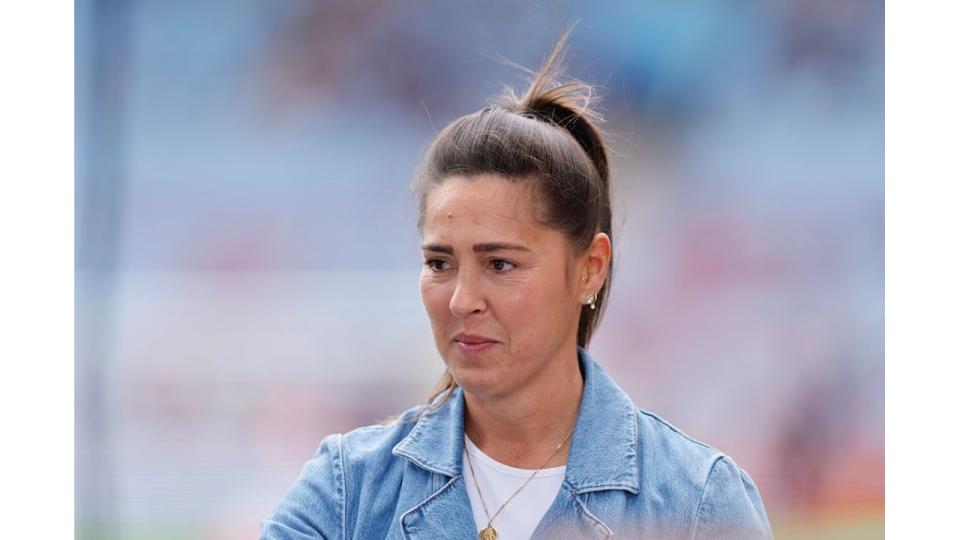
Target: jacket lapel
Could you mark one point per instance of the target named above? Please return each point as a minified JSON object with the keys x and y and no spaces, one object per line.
{"x":436,"y":444}
{"x":436,"y":441}
{"x":444,"y":514}
{"x":603,"y":451}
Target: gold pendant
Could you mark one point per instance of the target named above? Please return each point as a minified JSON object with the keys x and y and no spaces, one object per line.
{"x":488,"y":533}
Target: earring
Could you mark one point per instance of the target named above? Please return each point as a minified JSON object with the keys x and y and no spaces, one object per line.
{"x":591,"y":299}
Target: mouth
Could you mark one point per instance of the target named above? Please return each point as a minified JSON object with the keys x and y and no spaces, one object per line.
{"x":473,"y":344}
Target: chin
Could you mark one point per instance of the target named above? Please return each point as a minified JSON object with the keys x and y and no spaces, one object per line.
{"x":481,"y":388}
{"x":474,"y":378}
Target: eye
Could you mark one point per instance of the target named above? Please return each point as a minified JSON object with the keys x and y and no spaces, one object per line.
{"x":435,"y":265}
{"x":501,"y":265}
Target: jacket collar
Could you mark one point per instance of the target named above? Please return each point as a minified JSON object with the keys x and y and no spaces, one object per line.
{"x":603,"y":451}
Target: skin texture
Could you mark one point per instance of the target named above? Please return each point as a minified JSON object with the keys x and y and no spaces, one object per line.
{"x":523,"y":392}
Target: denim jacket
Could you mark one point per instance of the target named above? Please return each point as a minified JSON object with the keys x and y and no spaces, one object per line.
{"x":629,"y":474}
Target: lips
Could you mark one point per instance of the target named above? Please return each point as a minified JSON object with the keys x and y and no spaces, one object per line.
{"x":473,"y":343}
{"x":472,"y":339}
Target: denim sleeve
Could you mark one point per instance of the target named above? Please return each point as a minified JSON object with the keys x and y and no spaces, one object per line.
{"x":730,"y":505}
{"x":313,"y":506}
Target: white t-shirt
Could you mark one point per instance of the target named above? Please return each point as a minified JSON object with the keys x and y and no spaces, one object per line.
{"x":497,"y":482}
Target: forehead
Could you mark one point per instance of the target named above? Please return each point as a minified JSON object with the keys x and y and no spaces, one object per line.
{"x":491,"y":203}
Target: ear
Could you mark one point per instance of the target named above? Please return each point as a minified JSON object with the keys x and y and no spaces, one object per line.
{"x":594,"y":264}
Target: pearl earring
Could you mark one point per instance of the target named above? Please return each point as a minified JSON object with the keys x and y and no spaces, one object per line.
{"x":591,"y":299}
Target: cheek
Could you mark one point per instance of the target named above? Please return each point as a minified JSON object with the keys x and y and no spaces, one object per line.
{"x":536,"y":311}
{"x":436,"y":300}
{"x":525,"y":307}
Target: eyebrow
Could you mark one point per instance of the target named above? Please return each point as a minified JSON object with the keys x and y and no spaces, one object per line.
{"x":478,"y":248}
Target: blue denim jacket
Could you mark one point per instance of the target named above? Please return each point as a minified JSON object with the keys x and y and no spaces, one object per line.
{"x":629,"y":474}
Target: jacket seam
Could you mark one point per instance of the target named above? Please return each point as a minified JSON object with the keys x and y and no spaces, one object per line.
{"x":703,"y":491}
{"x":343,"y":483}
{"x":604,"y":487}
{"x":673,"y":428}
{"x":635,"y":472}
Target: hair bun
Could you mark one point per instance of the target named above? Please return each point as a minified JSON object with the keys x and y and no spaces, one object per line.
{"x":569,"y":105}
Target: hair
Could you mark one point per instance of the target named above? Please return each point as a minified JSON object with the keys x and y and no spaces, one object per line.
{"x":549,"y":139}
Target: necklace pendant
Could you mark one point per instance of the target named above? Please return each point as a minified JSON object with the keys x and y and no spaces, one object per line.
{"x":488,"y":533}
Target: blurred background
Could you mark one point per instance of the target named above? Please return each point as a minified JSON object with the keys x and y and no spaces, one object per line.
{"x":247,"y":257}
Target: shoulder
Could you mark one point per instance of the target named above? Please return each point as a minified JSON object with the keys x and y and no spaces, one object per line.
{"x":670,"y":461}
{"x":701,"y":478}
{"x":667,"y":450}
{"x":371,"y":444}
{"x":342,"y":473}
{"x":374,"y":456}
{"x":662,"y":440}
{"x":353,"y":458}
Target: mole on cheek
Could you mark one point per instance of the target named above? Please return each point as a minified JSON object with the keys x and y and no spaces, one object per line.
{"x":449,"y":215}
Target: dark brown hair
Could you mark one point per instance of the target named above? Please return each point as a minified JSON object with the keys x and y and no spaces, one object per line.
{"x":549,"y":139}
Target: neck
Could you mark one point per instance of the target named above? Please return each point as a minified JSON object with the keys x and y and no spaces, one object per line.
{"x":521,"y":429}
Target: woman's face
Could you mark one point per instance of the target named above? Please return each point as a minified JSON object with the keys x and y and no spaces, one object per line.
{"x":494,"y":284}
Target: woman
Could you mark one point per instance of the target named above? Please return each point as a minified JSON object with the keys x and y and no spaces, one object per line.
{"x":528,"y":436}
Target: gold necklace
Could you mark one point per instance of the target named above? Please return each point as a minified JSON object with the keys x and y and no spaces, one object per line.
{"x":488,"y":532}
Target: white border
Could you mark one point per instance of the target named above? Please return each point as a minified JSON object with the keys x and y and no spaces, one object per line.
{"x":36,"y":269}
{"x":923,"y":268}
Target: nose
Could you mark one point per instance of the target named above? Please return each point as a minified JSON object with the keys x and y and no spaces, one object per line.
{"x":467,"y":297}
